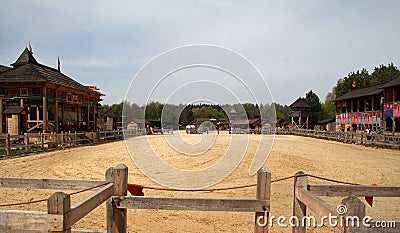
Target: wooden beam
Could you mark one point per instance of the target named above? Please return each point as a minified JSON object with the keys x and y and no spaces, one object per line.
{"x":319,"y":206}
{"x":196,"y":204}
{"x":88,"y":204}
{"x":59,"y":203}
{"x":43,"y":183}
{"x":118,"y":217}
{"x":19,"y":220}
{"x":56,"y":112}
{"x":1,"y":115}
{"x":263,"y":194}
{"x":354,"y":190}
{"x":87,"y":231}
{"x":299,"y":208}
{"x":44,"y":110}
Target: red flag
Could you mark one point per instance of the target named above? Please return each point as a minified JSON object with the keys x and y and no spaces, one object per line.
{"x":30,"y":48}
{"x":136,"y":189}
{"x":58,"y":63}
{"x":369,"y":199}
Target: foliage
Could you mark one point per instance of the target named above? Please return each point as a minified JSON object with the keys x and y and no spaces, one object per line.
{"x":361,"y":79}
{"x":328,"y":107}
{"x":315,"y":108}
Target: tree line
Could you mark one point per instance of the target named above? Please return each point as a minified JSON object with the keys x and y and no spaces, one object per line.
{"x":318,"y":110}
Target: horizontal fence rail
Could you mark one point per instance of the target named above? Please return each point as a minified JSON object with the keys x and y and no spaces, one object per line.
{"x":45,"y":183}
{"x":373,"y":139}
{"x":61,"y":216}
{"x":31,"y":142}
{"x":197,"y":204}
{"x":307,"y":196}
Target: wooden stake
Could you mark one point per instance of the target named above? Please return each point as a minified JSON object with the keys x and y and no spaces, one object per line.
{"x":59,"y":203}
{"x":8,"y":144}
{"x":355,"y":208}
{"x":299,"y":208}
{"x":117,"y":218}
{"x":263,"y":193}
{"x":26,"y":142}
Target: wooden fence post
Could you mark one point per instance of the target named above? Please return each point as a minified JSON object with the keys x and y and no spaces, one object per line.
{"x":117,"y":218}
{"x":59,"y":203}
{"x":8,"y":144}
{"x":62,"y":139}
{"x":55,"y":139}
{"x":109,"y":202}
{"x":75,"y":138}
{"x":263,"y":193}
{"x":41,"y":140}
{"x":26,"y":142}
{"x":352,"y":218}
{"x":299,"y":208}
{"x":97,"y":137}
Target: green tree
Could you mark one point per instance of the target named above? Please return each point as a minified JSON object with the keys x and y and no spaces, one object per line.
{"x":153,"y":111}
{"x":360,"y":79}
{"x":315,"y":108}
{"x":103,"y":109}
{"x":384,"y":74}
{"x":328,"y":107}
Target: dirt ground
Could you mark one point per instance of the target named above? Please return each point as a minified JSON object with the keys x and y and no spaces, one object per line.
{"x":351,"y":163}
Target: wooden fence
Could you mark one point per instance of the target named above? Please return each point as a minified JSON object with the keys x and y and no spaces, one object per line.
{"x":379,"y":140}
{"x":43,"y":141}
{"x":306,"y":196}
{"x":61,"y":216}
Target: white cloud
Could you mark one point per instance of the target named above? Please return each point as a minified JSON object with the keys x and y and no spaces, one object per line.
{"x":299,"y":44}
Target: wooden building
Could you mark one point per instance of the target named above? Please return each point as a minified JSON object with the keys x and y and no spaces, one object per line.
{"x":246,"y":126}
{"x":54,"y":101}
{"x":300,"y":110}
{"x":360,"y":109}
{"x":110,"y":120}
{"x":391,"y":105}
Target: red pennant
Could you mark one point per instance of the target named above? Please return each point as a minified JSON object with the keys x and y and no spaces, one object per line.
{"x":136,"y":189}
{"x":370,"y":199}
{"x":30,"y":48}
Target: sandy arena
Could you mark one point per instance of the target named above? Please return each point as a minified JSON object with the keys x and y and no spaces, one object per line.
{"x":351,"y":163}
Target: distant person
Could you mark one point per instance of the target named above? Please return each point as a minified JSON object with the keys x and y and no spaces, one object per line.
{"x":368,"y":132}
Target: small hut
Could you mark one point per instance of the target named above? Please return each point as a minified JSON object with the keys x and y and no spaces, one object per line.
{"x":327,"y":124}
{"x":300,"y":109}
{"x":110,"y":120}
{"x":246,"y":126}
{"x":16,"y":119}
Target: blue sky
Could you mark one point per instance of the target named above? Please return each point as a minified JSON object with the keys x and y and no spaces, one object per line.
{"x":297,"y":45}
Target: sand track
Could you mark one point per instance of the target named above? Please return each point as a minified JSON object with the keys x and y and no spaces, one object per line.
{"x":290,"y":154}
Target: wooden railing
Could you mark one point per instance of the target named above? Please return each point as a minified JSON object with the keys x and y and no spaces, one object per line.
{"x":61,"y":216}
{"x":373,"y":139}
{"x":43,"y":141}
{"x":307,"y":196}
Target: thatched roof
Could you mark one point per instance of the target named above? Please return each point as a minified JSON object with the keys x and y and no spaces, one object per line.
{"x":394,"y":82}
{"x":325,"y":121}
{"x":4,"y":68}
{"x":374,"y":90}
{"x":14,"y":110}
{"x":300,"y":103}
{"x":27,"y":69}
{"x":110,"y":113}
{"x":25,"y":58}
{"x":246,"y":122}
